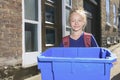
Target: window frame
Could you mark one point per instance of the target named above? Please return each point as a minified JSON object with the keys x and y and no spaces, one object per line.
{"x":30,"y":58}
{"x":48,"y":24}
{"x":65,"y":29}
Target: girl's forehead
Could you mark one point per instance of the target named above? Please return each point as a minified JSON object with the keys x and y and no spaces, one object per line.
{"x":75,"y":13}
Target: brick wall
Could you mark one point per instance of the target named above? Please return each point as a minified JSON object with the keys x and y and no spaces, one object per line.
{"x":108,"y":30}
{"x":10,"y":38}
{"x":10,"y":30}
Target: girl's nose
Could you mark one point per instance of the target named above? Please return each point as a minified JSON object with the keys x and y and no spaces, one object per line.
{"x":76,"y":22}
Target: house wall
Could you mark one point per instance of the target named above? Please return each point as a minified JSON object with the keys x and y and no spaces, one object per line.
{"x":10,"y":38}
{"x":10,"y":30}
{"x":11,"y":42}
{"x":108,"y":30}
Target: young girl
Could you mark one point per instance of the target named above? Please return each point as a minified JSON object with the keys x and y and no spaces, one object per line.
{"x":78,"y":38}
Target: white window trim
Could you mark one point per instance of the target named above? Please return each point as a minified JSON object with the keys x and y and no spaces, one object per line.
{"x":30,"y":58}
{"x":107,"y":23}
{"x":50,"y":1}
{"x":64,"y":26}
{"x":115,"y":26}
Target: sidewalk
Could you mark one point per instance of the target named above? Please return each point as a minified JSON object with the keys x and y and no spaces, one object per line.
{"x":112,"y":48}
{"x":115,"y":71}
{"x":36,"y":77}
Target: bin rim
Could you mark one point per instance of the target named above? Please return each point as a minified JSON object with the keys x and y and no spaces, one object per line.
{"x":68,"y":59}
{"x":109,"y":59}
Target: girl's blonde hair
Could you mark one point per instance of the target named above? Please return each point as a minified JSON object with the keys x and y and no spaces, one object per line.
{"x":82,"y":14}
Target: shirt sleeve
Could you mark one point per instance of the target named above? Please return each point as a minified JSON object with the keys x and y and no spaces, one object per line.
{"x":93,"y":42}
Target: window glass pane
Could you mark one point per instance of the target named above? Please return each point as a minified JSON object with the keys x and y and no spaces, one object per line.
{"x":49,"y":14}
{"x":114,"y":11}
{"x":68,"y":2}
{"x":31,"y":9}
{"x":67,"y":16}
{"x":31,"y":37}
{"x":68,"y":31}
{"x":50,"y":36}
{"x":107,"y":10}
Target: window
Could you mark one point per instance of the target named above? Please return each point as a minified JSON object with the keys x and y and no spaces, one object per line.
{"x":67,"y":5}
{"x":31,"y":32}
{"x":68,"y":2}
{"x":31,"y":10}
{"x":67,"y":16}
{"x":50,"y":36}
{"x":51,"y":23}
{"x":49,"y":14}
{"x":50,"y":20}
{"x":114,"y":13}
{"x":31,"y":43}
{"x":108,"y":11}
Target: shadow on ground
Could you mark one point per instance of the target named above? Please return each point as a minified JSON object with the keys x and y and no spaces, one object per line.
{"x":117,"y":77}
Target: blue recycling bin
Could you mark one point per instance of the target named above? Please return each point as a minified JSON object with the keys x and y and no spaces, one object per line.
{"x":75,"y":63}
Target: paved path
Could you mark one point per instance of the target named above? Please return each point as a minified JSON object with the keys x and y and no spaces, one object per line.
{"x":36,"y":77}
{"x":115,"y":71}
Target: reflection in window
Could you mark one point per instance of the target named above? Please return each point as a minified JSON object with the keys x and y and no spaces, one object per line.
{"x":50,"y":36}
{"x":68,"y":2}
{"x":114,"y":12}
{"x":31,"y":37}
{"x":49,"y":14}
{"x":108,"y":10}
{"x":67,"y":16}
{"x":31,"y":9}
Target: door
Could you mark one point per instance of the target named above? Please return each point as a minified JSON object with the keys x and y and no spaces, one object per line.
{"x":93,"y":18}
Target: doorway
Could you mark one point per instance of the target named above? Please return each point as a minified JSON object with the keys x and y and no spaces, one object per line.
{"x":93,"y":18}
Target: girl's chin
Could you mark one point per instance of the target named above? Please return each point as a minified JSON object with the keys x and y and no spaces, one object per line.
{"x":77,"y":30}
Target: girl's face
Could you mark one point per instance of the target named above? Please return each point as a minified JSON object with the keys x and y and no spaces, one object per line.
{"x":76,"y":21}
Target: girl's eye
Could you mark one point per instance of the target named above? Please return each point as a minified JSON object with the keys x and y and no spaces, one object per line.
{"x":76,"y":20}
{"x":73,"y":21}
{"x":79,"y":20}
